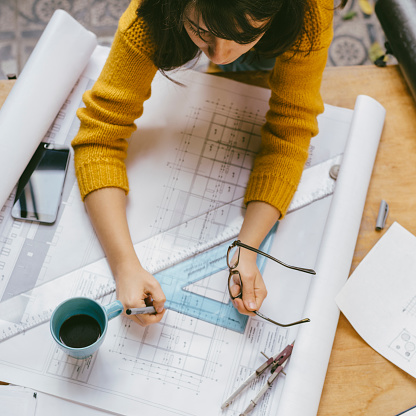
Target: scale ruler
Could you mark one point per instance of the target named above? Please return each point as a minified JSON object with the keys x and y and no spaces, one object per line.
{"x":35,"y":307}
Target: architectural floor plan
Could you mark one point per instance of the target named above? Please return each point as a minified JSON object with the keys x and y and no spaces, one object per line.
{"x":182,"y":215}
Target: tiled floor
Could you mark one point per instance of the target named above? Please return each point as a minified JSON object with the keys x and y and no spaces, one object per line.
{"x":22,"y":22}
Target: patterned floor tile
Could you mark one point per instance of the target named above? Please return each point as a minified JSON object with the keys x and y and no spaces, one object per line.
{"x":353,"y":37}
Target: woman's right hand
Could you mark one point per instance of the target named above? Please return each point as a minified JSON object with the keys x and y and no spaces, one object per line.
{"x":137,"y":288}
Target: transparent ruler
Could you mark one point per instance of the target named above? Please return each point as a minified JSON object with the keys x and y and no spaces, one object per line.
{"x":35,"y":307}
{"x":197,"y":286}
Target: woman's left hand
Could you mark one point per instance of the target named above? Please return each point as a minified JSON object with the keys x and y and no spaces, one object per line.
{"x":254,"y":290}
{"x":258,"y":220}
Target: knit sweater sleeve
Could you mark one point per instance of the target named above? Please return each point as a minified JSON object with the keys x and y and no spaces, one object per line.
{"x":112,"y":105}
{"x":292,"y":118}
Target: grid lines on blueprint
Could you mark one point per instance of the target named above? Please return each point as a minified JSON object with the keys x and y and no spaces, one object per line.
{"x":211,"y":167}
{"x":183,"y":351}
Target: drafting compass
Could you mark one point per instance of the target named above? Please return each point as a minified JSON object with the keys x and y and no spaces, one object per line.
{"x":276,"y":363}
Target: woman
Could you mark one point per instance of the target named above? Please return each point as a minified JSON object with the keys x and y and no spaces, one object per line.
{"x":164,"y":34}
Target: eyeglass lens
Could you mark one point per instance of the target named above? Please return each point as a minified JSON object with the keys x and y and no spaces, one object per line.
{"x":233,"y":256}
{"x":234,"y":277}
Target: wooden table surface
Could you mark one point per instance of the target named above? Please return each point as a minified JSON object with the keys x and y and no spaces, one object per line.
{"x":5,"y":87}
{"x":359,"y":381}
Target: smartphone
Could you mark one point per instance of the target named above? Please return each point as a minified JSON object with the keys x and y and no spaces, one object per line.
{"x":39,"y":190}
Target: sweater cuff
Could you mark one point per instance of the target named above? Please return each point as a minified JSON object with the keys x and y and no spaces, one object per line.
{"x":271,"y":189}
{"x":96,"y":175}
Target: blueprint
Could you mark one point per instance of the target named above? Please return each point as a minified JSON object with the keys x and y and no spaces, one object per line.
{"x":204,"y":185}
{"x":195,"y":194}
{"x":188,"y":366}
{"x":189,"y":362}
{"x":182,"y":365}
{"x":194,"y":177}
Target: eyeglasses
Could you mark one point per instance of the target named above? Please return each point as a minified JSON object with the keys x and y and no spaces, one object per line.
{"x":233,"y":258}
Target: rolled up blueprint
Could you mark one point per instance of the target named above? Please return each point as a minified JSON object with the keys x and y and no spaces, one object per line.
{"x":314,"y":340}
{"x":50,"y":73}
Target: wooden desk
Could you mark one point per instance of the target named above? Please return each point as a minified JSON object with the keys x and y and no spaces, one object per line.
{"x":359,"y":381}
{"x":5,"y":87}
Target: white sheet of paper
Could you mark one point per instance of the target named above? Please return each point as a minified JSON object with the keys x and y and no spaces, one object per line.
{"x":379,"y":299}
{"x":410,"y":412}
{"x":52,"y":405}
{"x":23,"y":401}
{"x":17,"y":401}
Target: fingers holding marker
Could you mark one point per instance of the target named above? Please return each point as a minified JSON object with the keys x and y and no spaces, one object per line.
{"x":145,"y":316}
{"x":141,"y":311}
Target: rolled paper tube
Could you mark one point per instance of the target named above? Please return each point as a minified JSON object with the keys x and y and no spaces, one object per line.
{"x":48,"y":77}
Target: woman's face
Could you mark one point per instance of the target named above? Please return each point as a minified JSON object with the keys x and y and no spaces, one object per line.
{"x":219,"y":51}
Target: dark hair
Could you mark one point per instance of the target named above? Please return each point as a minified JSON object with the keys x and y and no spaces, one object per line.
{"x":229,"y":19}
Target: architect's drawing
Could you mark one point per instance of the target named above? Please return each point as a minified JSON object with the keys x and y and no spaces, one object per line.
{"x":404,"y":344}
{"x":189,"y":362}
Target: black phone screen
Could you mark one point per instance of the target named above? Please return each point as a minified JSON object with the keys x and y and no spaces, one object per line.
{"x":39,"y":189}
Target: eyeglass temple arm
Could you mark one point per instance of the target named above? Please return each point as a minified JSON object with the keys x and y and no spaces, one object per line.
{"x":300,"y":269}
{"x":302,"y":321}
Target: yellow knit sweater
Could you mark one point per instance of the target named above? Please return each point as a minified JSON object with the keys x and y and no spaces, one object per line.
{"x":116,"y":101}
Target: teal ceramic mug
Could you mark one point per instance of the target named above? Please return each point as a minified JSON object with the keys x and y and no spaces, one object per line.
{"x":78,"y":325}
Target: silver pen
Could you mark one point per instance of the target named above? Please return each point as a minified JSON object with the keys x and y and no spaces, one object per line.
{"x":141,"y":311}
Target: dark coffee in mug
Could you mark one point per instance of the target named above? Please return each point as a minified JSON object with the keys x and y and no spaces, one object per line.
{"x":79,"y":325}
{"x":80,"y":331}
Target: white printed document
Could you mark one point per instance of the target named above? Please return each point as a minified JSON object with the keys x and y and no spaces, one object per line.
{"x":17,"y":401}
{"x":379,"y":298}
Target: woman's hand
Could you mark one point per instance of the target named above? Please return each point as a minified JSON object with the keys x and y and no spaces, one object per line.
{"x":254,"y":289}
{"x":258,"y":221}
{"x":137,"y":288}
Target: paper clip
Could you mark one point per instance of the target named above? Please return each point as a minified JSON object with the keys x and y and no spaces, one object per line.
{"x":382,"y":215}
